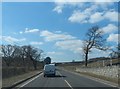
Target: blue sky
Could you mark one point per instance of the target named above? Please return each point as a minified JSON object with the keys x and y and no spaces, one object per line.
{"x":58,"y":28}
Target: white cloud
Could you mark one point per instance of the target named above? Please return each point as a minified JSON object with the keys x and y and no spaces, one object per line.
{"x":91,"y":14}
{"x":110,"y":28}
{"x":96,"y":17}
{"x":113,"y":38}
{"x":63,"y":41}
{"x":78,"y":17}
{"x":49,"y":36}
{"x":54,"y":53}
{"x":31,"y":30}
{"x":104,"y":5}
{"x":91,"y":9}
{"x":99,"y":53}
{"x":72,"y":45}
{"x":111,"y":15}
{"x":85,"y":16}
{"x":11,"y":39}
{"x":58,"y":9}
{"x":61,"y":4}
{"x":36,"y":43}
{"x":58,"y":31}
{"x":27,"y":30}
{"x":86,"y":0}
{"x":21,"y":32}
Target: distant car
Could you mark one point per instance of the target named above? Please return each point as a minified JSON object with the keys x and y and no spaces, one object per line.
{"x":49,"y":69}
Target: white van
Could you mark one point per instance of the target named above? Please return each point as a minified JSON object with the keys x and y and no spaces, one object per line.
{"x":49,"y":69}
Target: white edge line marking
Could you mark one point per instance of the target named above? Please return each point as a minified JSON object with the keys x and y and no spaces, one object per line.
{"x":99,"y":80}
{"x":68,"y":84}
{"x":31,"y":80}
{"x":93,"y":78}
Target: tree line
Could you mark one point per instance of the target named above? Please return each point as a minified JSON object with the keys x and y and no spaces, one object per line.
{"x":22,"y":55}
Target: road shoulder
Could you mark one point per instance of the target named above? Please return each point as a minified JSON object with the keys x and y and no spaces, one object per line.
{"x":93,"y":78}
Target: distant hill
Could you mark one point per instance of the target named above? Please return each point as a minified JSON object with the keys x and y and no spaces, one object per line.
{"x":98,"y":59}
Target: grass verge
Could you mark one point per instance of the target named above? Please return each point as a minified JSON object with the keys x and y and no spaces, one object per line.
{"x":100,"y":77}
{"x":73,"y":69}
{"x":12,"y":80}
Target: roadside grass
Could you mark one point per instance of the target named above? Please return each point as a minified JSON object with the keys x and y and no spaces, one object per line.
{"x":70,"y":68}
{"x":100,"y":63}
{"x":100,"y":77}
{"x":12,"y":80}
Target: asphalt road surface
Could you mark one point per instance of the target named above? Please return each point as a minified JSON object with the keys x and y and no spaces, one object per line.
{"x":63,"y":79}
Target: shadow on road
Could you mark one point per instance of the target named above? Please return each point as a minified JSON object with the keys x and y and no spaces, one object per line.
{"x":56,"y":76}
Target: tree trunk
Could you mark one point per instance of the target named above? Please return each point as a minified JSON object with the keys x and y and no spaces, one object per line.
{"x":86,"y":59}
{"x":7,"y":62}
{"x":35,"y":65}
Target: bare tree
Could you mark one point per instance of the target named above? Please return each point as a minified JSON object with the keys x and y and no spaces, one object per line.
{"x":23,"y":55}
{"x":34,"y":54}
{"x":8,"y":52}
{"x":115,"y":52}
{"x":94,"y":39}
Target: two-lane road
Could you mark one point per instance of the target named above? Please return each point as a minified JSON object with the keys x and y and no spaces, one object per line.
{"x":63,"y":79}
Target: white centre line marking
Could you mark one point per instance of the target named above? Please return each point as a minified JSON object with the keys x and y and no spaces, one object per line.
{"x":68,"y":84}
{"x":31,"y":80}
{"x":60,"y":74}
{"x":66,"y":81}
